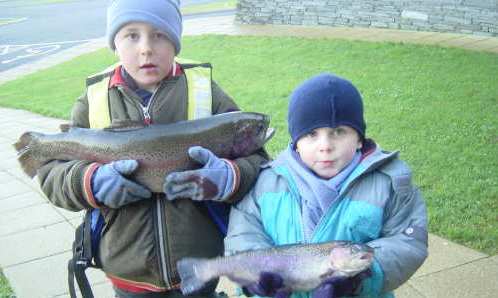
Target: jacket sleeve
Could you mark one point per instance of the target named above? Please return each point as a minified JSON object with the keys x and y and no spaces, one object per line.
{"x":63,"y":181}
{"x":245,"y":227}
{"x":250,"y":166}
{"x":402,"y":247}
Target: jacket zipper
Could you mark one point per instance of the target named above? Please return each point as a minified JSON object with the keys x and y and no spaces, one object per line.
{"x":147,"y":118}
{"x":161,"y":227}
{"x":161,"y":231}
{"x":146,"y":109}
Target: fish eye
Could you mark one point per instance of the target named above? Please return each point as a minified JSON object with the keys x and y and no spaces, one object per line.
{"x":355,"y":248}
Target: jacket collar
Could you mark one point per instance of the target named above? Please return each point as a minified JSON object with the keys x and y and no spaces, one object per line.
{"x":372,"y":158}
{"x":117,"y":78}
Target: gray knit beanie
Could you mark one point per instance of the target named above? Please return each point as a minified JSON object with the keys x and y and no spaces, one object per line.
{"x":162,"y":14}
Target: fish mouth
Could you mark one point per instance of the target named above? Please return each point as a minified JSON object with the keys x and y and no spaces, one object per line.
{"x":366,"y":256}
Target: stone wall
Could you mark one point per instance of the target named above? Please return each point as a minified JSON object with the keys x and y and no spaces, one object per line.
{"x":479,"y":17}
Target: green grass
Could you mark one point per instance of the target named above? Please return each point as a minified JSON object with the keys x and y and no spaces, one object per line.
{"x":60,"y":83}
{"x":5,"y":289}
{"x":437,"y":105}
{"x":209,"y":7}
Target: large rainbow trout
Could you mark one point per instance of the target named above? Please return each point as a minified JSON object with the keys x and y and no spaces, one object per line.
{"x":302,"y":267}
{"x":159,"y":149}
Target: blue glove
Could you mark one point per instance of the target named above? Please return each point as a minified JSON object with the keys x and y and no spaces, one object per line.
{"x":269,"y":285}
{"x":340,"y":286}
{"x":214,"y":181}
{"x":111,"y":188}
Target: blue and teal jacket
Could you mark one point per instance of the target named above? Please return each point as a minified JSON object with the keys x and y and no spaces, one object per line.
{"x":377,"y":205}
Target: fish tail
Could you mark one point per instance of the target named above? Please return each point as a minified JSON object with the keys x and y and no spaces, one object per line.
{"x":192,"y":274}
{"x":25,"y":155}
{"x":23,"y":141}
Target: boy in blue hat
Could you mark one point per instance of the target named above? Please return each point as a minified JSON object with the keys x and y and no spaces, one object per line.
{"x":137,"y":236}
{"x":333,"y":183}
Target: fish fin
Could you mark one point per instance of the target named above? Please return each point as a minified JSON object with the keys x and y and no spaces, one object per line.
{"x":25,"y":157}
{"x":190,"y":272}
{"x":23,"y":141}
{"x":269,"y":133}
{"x":125,"y":125}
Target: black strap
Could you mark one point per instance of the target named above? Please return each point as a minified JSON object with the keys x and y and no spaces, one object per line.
{"x":70,"y":278}
{"x":81,"y":260}
{"x":192,"y":65}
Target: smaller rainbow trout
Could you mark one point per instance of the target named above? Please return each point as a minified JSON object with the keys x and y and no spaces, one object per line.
{"x":302,"y":267}
{"x":158,"y":148}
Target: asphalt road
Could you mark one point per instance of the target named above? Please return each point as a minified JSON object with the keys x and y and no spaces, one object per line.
{"x":41,"y":28}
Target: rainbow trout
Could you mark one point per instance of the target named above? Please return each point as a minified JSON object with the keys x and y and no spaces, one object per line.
{"x":159,"y":149}
{"x":302,"y":267}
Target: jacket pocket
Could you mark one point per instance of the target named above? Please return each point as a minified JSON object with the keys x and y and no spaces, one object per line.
{"x":128,"y":244}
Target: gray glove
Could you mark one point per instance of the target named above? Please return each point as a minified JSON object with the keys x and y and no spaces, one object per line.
{"x":111,"y":188}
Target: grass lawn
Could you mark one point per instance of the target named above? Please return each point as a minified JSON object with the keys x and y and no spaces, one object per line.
{"x":5,"y":289}
{"x":438,"y":106}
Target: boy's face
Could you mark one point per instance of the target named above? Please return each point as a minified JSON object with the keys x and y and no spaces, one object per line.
{"x":145,"y":52}
{"x":327,"y":150}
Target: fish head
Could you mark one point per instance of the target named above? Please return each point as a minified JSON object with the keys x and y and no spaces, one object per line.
{"x":251,"y":133}
{"x":350,"y":259}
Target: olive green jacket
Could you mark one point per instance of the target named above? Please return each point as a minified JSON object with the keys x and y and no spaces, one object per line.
{"x":141,"y":242}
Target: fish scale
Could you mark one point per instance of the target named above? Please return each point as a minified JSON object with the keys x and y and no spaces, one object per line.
{"x":302,"y":267}
{"x":158,"y":148}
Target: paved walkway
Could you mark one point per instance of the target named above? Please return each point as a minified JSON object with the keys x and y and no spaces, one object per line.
{"x":36,"y":237}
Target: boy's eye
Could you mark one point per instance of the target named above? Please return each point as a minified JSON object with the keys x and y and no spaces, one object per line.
{"x":340,"y":131}
{"x":311,"y":134}
{"x":132,"y":36}
{"x":159,"y":35}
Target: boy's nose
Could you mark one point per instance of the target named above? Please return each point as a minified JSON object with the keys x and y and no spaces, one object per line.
{"x":145,"y":46}
{"x":325,"y":144}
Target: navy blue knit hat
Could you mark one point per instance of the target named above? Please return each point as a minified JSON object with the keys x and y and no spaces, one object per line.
{"x":325,"y":100}
{"x":162,"y":14}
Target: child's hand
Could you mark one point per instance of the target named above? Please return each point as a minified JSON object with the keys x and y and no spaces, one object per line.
{"x":269,"y":285}
{"x":111,"y":188}
{"x":340,"y":286}
{"x":214,"y":181}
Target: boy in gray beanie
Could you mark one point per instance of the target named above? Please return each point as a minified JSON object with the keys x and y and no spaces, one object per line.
{"x":163,"y":15}
{"x":138,"y":236}
{"x":333,"y":183}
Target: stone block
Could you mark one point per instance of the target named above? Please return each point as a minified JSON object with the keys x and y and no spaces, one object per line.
{"x":416,"y":15}
{"x":21,"y":201}
{"x":35,"y":244}
{"x":29,"y":279}
{"x":473,"y":280}
{"x":14,"y":187}
{"x":16,"y":221}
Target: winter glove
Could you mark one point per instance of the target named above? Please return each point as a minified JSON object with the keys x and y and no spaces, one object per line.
{"x":269,"y":285}
{"x":214,"y":181}
{"x":340,"y":286}
{"x":111,"y":188}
